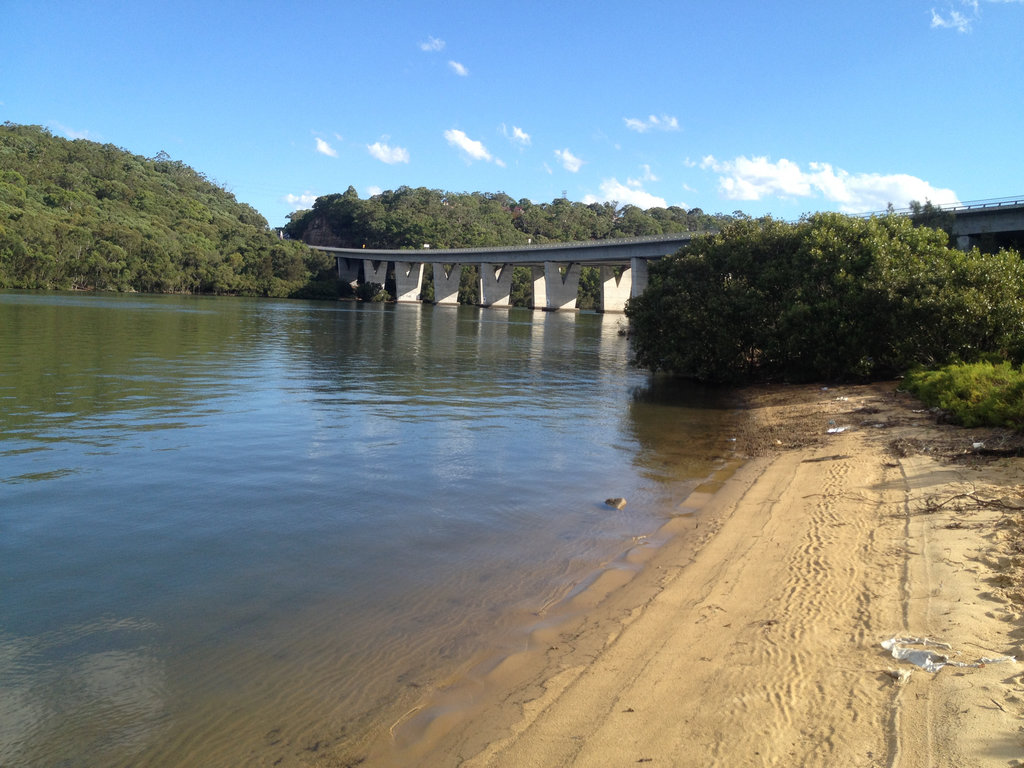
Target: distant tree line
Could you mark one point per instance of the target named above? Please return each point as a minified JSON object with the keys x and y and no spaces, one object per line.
{"x":411,"y":218}
{"x":83,"y":215}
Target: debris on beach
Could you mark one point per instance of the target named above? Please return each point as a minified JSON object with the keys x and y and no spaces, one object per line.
{"x":917,"y":651}
{"x":616,"y":503}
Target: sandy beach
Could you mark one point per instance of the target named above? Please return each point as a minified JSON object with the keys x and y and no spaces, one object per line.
{"x":750,"y":631}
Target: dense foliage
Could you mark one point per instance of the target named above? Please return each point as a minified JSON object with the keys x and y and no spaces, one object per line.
{"x":975,"y":395}
{"x":830,"y":297}
{"x":78,"y":214}
{"x":412,"y":218}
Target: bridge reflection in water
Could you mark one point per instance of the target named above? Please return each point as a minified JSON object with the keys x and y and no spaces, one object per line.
{"x":555,"y":269}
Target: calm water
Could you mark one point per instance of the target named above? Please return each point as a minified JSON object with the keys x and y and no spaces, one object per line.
{"x":238,"y":532}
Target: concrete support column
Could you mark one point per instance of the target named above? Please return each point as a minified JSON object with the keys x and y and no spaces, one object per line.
{"x":639,"y":269}
{"x":495,"y":285}
{"x":348,"y":269}
{"x":446,"y":283}
{"x":966,"y":242}
{"x":375,"y":271}
{"x":615,"y":291}
{"x":408,"y":277}
{"x":540,"y":294}
{"x":561,"y":289}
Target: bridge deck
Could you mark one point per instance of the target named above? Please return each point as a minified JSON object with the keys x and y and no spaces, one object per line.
{"x":613,"y":252}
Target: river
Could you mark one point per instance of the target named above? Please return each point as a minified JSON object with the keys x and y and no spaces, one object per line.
{"x":239,"y":531}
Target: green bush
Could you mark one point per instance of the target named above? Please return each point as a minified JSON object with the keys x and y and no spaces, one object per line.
{"x":975,"y":395}
{"x":831,"y":297}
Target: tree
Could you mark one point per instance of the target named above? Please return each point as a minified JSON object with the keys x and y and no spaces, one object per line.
{"x":831,"y":297}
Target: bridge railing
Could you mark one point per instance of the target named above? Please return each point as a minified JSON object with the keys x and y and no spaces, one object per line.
{"x":973,"y":205}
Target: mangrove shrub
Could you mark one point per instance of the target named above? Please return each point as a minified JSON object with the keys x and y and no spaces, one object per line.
{"x":830,"y":297}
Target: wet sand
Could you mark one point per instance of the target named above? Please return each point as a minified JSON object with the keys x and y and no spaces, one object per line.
{"x":748,"y":632}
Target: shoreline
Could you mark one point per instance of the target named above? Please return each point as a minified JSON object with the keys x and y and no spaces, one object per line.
{"x":749,"y":634}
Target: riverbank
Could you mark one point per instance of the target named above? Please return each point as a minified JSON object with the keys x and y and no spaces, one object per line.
{"x":752,"y":635}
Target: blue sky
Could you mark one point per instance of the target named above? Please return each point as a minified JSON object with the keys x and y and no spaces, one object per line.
{"x":770,"y":108}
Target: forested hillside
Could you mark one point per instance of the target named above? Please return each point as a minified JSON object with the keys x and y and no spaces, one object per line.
{"x":411,"y":218}
{"x":83,"y":215}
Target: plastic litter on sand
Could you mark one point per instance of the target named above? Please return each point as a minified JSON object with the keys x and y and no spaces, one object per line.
{"x":918,"y":651}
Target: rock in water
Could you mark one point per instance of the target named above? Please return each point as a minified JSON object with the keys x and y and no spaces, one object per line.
{"x":617,"y":503}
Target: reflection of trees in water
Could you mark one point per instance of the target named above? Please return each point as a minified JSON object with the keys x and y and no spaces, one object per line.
{"x":684,"y":429}
{"x":69,"y":358}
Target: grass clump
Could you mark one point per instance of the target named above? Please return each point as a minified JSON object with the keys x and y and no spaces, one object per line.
{"x":975,"y":394}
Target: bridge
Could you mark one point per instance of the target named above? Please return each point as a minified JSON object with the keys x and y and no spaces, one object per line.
{"x":554,"y":267}
{"x":1000,"y":218}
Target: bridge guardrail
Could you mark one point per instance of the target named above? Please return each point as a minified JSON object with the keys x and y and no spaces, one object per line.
{"x":972,"y":205}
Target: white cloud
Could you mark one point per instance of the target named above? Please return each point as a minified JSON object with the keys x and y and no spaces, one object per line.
{"x":753,"y":178}
{"x":962,"y":20}
{"x":648,"y":175}
{"x":387,"y":154}
{"x":473,"y":149}
{"x":652,"y":123}
{"x":458,"y":69}
{"x":70,"y":132}
{"x":955,"y":20}
{"x":372,"y":190}
{"x":517,"y":135}
{"x":324,"y":148}
{"x":568,"y":160}
{"x":432,"y":44}
{"x":757,"y":177}
{"x":300,"y":202}
{"x":630,"y":193}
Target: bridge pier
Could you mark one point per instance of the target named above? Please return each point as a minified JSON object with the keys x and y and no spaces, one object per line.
{"x":348,"y":269}
{"x":553,"y":290}
{"x":446,"y":283}
{"x":540,"y":289}
{"x":496,"y":285}
{"x":408,"y":278}
{"x":561,"y":290}
{"x":638,"y":268}
{"x":615,"y":290}
{"x":375,"y":271}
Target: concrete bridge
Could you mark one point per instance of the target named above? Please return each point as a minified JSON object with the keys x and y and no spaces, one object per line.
{"x":1002,"y":218}
{"x":555,"y":269}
